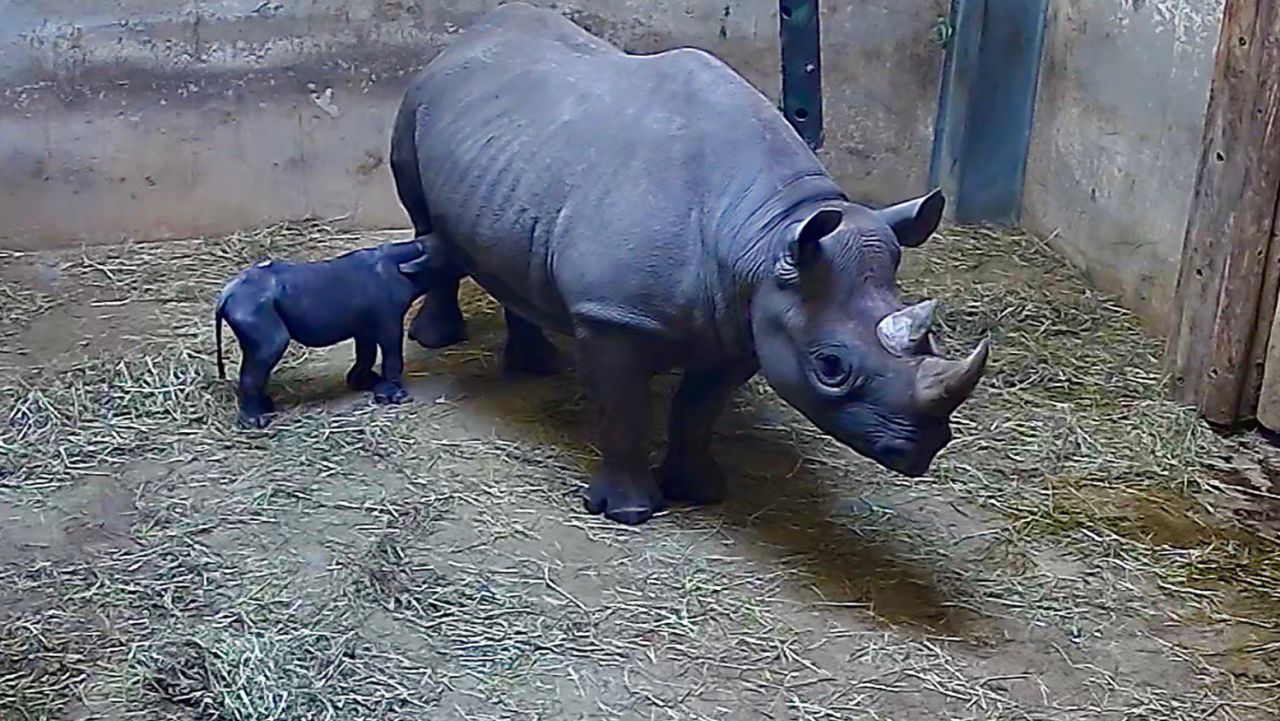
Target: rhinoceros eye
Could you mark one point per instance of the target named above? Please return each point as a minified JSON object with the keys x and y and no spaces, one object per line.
{"x":832,"y":369}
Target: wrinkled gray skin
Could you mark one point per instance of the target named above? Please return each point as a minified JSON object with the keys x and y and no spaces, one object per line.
{"x":363,"y":295}
{"x":661,"y":212}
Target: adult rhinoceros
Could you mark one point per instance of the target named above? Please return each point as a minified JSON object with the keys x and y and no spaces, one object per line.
{"x":659,"y":210}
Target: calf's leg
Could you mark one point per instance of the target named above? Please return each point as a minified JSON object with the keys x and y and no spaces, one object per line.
{"x":390,"y":389}
{"x":263,"y":340}
{"x":527,"y":349}
{"x":688,"y":473}
{"x":617,"y":376}
{"x":361,"y":376}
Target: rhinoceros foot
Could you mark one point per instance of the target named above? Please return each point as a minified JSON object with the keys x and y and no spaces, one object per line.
{"x":436,"y":327}
{"x":630,"y":498}
{"x":696,"y":480}
{"x":531,"y":358}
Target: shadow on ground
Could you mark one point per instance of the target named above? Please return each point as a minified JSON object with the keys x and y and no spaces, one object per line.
{"x":778,"y":502}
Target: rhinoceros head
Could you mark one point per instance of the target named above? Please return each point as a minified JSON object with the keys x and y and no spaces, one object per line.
{"x":835,"y":341}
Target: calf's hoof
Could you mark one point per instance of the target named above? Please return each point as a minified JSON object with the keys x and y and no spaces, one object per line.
{"x":255,"y":412}
{"x":536,"y":360}
{"x":365,"y":381}
{"x":438,"y":332}
{"x":253,"y":420}
{"x":626,"y":499}
{"x":695,"y":481}
{"x":386,"y":394}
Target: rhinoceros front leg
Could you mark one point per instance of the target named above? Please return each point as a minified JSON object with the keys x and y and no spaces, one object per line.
{"x":439,"y":321}
{"x":688,"y":473}
{"x":617,"y":374}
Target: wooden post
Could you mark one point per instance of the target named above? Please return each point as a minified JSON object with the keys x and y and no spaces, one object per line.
{"x":1232,"y":216}
{"x":1263,"y":385}
{"x":1266,"y":341}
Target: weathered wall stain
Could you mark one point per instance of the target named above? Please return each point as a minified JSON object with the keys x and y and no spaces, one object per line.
{"x":1116,"y":139}
{"x":155,"y":119}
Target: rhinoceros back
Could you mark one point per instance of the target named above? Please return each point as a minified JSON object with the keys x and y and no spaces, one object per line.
{"x":574,"y":178}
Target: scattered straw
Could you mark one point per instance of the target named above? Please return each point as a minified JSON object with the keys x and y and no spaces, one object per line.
{"x":1070,"y":558}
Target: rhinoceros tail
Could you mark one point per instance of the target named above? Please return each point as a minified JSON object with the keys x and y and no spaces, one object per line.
{"x":404,"y":165}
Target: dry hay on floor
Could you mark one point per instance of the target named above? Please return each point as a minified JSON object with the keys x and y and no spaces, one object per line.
{"x":1072,"y":555}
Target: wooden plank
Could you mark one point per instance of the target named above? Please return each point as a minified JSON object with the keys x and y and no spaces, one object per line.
{"x":1268,"y":413}
{"x":1260,"y":349}
{"x":1232,"y":214}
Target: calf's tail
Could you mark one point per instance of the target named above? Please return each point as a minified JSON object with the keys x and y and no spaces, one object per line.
{"x":218,"y":314}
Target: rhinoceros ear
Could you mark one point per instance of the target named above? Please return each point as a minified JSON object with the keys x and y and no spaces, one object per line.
{"x":806,"y":245}
{"x":913,"y":221}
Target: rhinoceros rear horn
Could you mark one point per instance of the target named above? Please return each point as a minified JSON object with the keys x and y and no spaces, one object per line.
{"x":942,"y":385}
{"x":913,"y":221}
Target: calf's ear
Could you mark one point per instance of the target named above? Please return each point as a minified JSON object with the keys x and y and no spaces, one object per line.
{"x":421,"y":264}
{"x":913,"y":221}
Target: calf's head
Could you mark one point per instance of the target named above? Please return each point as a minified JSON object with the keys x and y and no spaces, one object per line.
{"x":836,"y":343}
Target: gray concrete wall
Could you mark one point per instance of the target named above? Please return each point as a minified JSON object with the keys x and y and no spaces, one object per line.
{"x":1116,"y":140}
{"x":171,"y":118}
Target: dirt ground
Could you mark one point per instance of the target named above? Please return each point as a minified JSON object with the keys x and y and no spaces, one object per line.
{"x":1083,"y":550}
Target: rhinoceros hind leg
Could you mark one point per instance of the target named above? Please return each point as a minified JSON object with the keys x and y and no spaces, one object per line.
{"x":527,"y":349}
{"x":689,"y":474}
{"x":697,"y":481}
{"x":439,"y":321}
{"x":617,"y":375}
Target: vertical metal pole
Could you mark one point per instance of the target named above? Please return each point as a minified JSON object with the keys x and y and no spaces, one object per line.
{"x":986,"y":108}
{"x":802,"y":68}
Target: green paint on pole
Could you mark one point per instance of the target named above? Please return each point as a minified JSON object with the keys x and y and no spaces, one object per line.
{"x":801,"y":36}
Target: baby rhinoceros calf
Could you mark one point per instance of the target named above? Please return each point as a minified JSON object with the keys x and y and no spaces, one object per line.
{"x":363,"y":295}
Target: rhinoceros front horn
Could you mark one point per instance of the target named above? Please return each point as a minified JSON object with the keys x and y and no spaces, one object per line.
{"x":942,"y":385}
{"x":899,"y":332}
